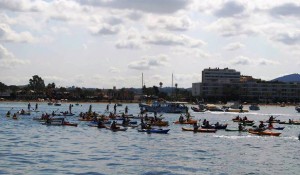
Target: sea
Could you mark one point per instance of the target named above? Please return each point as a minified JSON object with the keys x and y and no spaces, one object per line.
{"x":28,"y":147}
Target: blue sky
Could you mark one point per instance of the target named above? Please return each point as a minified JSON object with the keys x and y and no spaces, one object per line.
{"x":106,"y":43}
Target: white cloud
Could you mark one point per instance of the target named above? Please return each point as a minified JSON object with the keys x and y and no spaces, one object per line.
{"x":234,"y":46}
{"x":286,"y":9}
{"x":154,"y":6}
{"x":229,"y":27}
{"x":169,"y":39}
{"x":192,"y":52}
{"x":242,"y":60}
{"x":7,"y":34}
{"x":170,"y":23}
{"x":129,"y":44}
{"x":114,"y":70}
{"x":8,"y":60}
{"x":22,"y":5}
{"x":106,"y":29}
{"x":230,"y":9}
{"x":149,"y":62}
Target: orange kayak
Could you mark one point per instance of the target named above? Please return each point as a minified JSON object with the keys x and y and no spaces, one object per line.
{"x":190,"y":122}
{"x":267,"y":133}
{"x":200,"y":130}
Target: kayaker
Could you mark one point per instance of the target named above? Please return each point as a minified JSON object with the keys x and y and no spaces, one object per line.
{"x":8,"y":113}
{"x":181,"y":119}
{"x":204,"y":122}
{"x":113,"y":125}
{"x":271,"y":118}
{"x":188,"y":116}
{"x":270,"y":126}
{"x":195,"y":127}
{"x":146,"y":117}
{"x":14,"y":116}
{"x":100,"y":124}
{"x":241,"y":128}
{"x":155,"y":116}
{"x":261,"y":125}
{"x":245,"y":118}
{"x":143,"y":126}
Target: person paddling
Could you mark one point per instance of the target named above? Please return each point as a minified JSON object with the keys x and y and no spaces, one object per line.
{"x":195,"y":127}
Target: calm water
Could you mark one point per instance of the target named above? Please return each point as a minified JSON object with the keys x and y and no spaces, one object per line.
{"x":27,"y":147}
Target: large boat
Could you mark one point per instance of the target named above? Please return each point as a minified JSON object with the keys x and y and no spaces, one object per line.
{"x":254,"y":107}
{"x":164,"y":107}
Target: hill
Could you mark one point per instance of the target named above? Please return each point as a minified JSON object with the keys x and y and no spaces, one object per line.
{"x":288,"y":78}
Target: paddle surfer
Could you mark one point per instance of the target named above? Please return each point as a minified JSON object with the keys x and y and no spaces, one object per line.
{"x":195,"y":127}
{"x":29,"y":106}
{"x":126,"y":110}
{"x":36,"y":106}
{"x":107,"y":107}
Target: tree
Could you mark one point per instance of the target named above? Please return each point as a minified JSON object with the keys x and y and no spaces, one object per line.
{"x":160,"y":84}
{"x":36,"y":83}
{"x":3,"y":87}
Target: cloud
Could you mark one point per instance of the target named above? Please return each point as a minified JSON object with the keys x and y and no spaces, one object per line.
{"x":230,"y":9}
{"x":153,"y":6}
{"x":106,"y":29}
{"x":229,"y":27}
{"x":149,"y":62}
{"x":8,"y":60}
{"x":192,"y":52}
{"x":284,"y":10}
{"x":170,"y":23}
{"x":242,"y":60}
{"x":234,"y":46}
{"x":7,"y":34}
{"x":169,"y":39}
{"x":22,"y":5}
{"x":114,"y":70}
{"x":129,"y":44}
{"x":288,"y":37}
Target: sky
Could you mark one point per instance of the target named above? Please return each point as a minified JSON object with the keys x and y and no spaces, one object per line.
{"x":107,"y":43}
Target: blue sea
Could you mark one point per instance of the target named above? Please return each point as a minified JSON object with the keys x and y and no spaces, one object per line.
{"x":28,"y":147}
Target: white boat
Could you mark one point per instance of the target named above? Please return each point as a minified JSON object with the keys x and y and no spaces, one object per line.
{"x":164,"y":107}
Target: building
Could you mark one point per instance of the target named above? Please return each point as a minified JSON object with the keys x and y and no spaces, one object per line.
{"x":228,"y":84}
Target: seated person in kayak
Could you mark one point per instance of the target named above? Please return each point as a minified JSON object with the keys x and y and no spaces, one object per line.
{"x":217,"y":124}
{"x":181,"y":120}
{"x":241,"y":128}
{"x":100,"y":124}
{"x":245,"y":118}
{"x":271,"y":118}
{"x":195,"y":127}
{"x":261,"y":126}
{"x":270,"y":125}
{"x":8,"y":113}
{"x":114,"y":125}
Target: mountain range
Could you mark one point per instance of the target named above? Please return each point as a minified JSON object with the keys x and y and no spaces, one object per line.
{"x":288,"y":78}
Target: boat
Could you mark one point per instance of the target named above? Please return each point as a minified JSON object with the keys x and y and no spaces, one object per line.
{"x":214,"y":108}
{"x":200,"y":130}
{"x":276,"y":128}
{"x":59,"y":123}
{"x":190,"y":122}
{"x":155,"y":130}
{"x":297,"y":108}
{"x":164,"y":107}
{"x":197,"y":109}
{"x":224,"y":126}
{"x":22,"y":112}
{"x":290,"y":123}
{"x":117,"y":129}
{"x":160,"y":123}
{"x":236,"y":130}
{"x":254,"y":107}
{"x":264,"y":133}
{"x":57,"y":104}
{"x":50,"y":103}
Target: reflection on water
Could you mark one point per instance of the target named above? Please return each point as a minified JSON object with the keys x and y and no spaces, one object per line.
{"x":27,"y":147}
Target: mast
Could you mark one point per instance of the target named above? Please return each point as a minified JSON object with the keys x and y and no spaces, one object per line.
{"x":172,"y":87}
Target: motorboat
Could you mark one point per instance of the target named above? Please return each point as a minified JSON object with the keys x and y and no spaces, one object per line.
{"x":254,"y":107}
{"x":164,"y":107}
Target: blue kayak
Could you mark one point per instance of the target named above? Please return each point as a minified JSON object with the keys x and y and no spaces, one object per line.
{"x":160,"y":131}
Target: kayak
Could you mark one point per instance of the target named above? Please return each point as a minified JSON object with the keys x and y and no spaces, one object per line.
{"x":246,"y":121}
{"x":267,"y":133}
{"x":70,"y":124}
{"x":86,"y":119}
{"x":200,"y":130}
{"x":290,"y":123}
{"x":190,"y":122}
{"x":160,"y":123}
{"x":276,"y":128}
{"x":215,"y":127}
{"x":117,"y":129}
{"x":159,"y":131}
{"x":244,"y":130}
